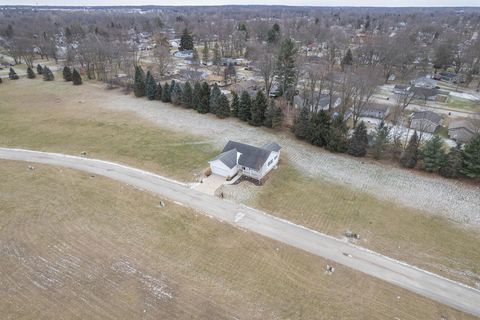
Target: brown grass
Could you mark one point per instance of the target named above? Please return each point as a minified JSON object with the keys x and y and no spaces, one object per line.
{"x":77,"y":246}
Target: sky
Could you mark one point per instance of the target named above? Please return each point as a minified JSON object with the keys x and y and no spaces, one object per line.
{"x":375,"y":3}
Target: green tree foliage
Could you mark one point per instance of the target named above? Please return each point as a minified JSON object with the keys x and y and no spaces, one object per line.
{"x":409,"y":157}
{"x":319,"y":128}
{"x":1,"y":80}
{"x":30,"y":73}
{"x":223,"y":106}
{"x":229,"y":74}
{"x":358,"y":143}
{"x":337,"y":140}
{"x":197,"y":95}
{"x":347,"y":59}
{"x":151,"y":86}
{"x":177,"y":94}
{"x":433,"y":154}
{"x":244,"y":106}
{"x":159,"y":92}
{"x":214,"y":95}
{"x":47,"y":74}
{"x":381,"y":140}
{"x":471,"y":158}
{"x":12,"y":75}
{"x":76,"y":78}
{"x":187,"y":95}
{"x":257,"y":111}
{"x":273,"y":35}
{"x":139,"y":82}
{"x":186,"y":41}
{"x":452,"y":166}
{"x":166,"y":93}
{"x":301,"y":127}
{"x":204,"y":103}
{"x":195,"y":58}
{"x":285,"y":69}
{"x":67,"y":73}
{"x":235,"y":104}
{"x":39,"y":69}
{"x":217,"y":57}
{"x":274,"y":116}
{"x":205,"y":52}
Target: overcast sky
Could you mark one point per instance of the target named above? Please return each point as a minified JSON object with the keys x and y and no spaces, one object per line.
{"x":377,"y":3}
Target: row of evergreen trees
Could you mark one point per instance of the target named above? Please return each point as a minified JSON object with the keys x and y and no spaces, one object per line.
{"x":205,"y":99}
{"x":331,"y":132}
{"x":74,"y":76}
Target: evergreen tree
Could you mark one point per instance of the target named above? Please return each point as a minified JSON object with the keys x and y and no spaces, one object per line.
{"x":1,"y":80}
{"x":30,"y":73}
{"x":337,"y":140}
{"x":257,"y":111}
{"x":452,"y":165}
{"x":76,"y":78}
{"x":39,"y":69}
{"x":244,"y":106}
{"x":151,"y":86}
{"x":204,"y":103}
{"x":319,"y":128}
{"x":195,"y":58}
{"x":12,"y":75}
{"x":67,"y":73}
{"x":235,"y":104}
{"x":186,"y":41}
{"x":223,"y":106}
{"x":158,"y":92}
{"x":273,"y":116}
{"x":358,"y":143}
{"x":187,"y":96}
{"x":471,"y":158}
{"x":409,"y":157}
{"x":214,"y":95}
{"x":301,"y":127}
{"x":139,"y":82}
{"x":197,"y":95}
{"x":205,"y":52}
{"x":172,"y":86}
{"x":47,"y":74}
{"x":347,"y":59}
{"x":217,"y":58}
{"x":381,"y":140}
{"x":273,"y":35}
{"x":286,"y":69}
{"x":177,"y":94}
{"x":166,"y":93}
{"x":432,"y":154}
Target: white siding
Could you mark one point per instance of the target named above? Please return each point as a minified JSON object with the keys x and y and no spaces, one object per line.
{"x":219,"y":168}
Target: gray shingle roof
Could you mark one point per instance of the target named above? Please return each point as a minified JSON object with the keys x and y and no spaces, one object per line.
{"x":251,"y":157}
{"x":427,"y":115}
{"x":272,"y":146}
{"x":229,"y":158}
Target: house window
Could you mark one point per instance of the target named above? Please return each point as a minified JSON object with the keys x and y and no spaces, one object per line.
{"x":270,"y":162}
{"x":275,"y":157}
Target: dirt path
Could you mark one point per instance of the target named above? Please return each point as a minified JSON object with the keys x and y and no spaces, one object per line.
{"x":433,"y":194}
{"x":419,"y":281}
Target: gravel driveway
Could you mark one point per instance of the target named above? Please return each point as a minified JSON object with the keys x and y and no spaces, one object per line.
{"x":436,"y":195}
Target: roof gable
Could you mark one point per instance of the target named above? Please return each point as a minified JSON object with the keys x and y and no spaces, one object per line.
{"x":250,"y":156}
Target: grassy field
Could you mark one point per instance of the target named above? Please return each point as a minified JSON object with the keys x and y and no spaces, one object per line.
{"x":462,"y":104}
{"x":77,"y":246}
{"x":427,"y":241}
{"x":53,"y":116}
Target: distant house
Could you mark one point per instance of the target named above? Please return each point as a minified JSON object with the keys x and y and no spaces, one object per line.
{"x":426,"y":121}
{"x":375,"y":110}
{"x":449,"y":77}
{"x":424,"y":82}
{"x":183,"y":54}
{"x":321,"y":102}
{"x":401,"y":89}
{"x":426,"y":93}
{"x":462,"y":130}
{"x":253,"y":162}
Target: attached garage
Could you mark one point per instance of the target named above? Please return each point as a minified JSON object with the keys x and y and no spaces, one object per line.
{"x":225,"y":164}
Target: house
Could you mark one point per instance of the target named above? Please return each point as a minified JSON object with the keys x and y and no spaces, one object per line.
{"x":426,"y":121}
{"x":424,"y":82}
{"x":375,"y":110}
{"x":401,"y":89}
{"x":321,"y":102}
{"x":425,"y":93}
{"x":449,"y":77}
{"x":462,"y":130}
{"x":183,"y":54}
{"x":251,"y":161}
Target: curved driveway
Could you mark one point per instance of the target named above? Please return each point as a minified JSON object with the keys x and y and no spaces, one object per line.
{"x":427,"y":284}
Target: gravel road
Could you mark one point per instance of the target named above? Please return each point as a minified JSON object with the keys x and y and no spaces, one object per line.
{"x":440,"y":289}
{"x":452,"y":199}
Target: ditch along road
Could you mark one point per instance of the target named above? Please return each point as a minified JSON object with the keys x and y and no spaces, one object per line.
{"x":422,"y":282}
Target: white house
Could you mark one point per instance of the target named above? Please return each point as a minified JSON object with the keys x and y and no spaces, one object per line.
{"x":253,"y":162}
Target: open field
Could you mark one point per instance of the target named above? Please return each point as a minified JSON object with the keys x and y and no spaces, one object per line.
{"x":463,"y":104}
{"x":430,"y":242}
{"x":62,"y":118}
{"x":54,"y":116}
{"x":77,"y":246}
